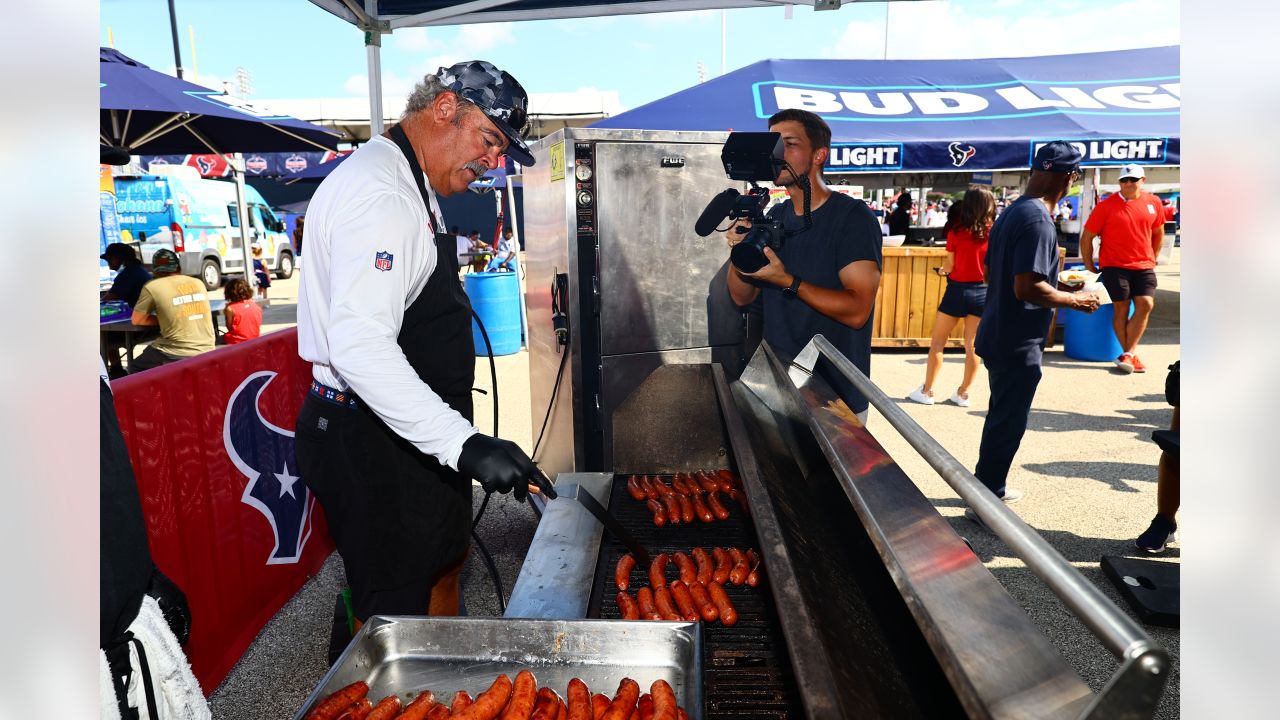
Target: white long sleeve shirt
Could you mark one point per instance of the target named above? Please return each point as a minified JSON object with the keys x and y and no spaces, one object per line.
{"x":370,"y":252}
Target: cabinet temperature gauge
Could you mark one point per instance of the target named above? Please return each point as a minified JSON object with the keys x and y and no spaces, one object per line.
{"x":584,"y":197}
{"x":582,"y":172}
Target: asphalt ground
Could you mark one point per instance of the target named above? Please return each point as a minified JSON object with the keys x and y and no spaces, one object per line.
{"x":1087,"y":465}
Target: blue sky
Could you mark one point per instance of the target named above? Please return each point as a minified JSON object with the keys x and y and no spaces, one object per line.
{"x":294,"y":49}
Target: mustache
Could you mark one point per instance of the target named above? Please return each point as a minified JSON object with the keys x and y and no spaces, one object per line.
{"x":477,"y":167}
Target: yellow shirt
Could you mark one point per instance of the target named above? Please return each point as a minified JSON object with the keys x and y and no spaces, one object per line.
{"x":182,"y":307}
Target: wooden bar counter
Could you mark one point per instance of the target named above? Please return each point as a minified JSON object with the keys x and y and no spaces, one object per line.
{"x":907,"y":301}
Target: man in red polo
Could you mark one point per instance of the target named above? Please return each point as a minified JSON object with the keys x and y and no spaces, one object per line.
{"x":1131,"y":224}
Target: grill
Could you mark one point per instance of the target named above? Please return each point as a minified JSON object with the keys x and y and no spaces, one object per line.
{"x":869,"y":604}
{"x":746,"y":670}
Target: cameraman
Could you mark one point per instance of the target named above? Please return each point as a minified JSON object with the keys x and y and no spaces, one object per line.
{"x":823,"y":280}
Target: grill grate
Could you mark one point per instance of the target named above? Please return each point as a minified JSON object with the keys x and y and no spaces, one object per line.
{"x":746,"y":670}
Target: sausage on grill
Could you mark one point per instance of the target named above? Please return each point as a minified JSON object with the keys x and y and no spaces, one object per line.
{"x":686,"y":508}
{"x":706,"y":482}
{"x":702,"y":510}
{"x":705,"y":567}
{"x":702,"y":601}
{"x":663,"y":602}
{"x":728,"y":615}
{"x":633,"y":488}
{"x":723,"y":565}
{"x":753,"y":575}
{"x":461,"y":701}
{"x":716,"y":507}
{"x":673,"y":508}
{"x":738,"y":574}
{"x":627,"y":606}
{"x":659,"y":513}
{"x":688,"y":573}
{"x":684,"y":601}
{"x":622,"y":573}
{"x":644,"y":599}
{"x":658,"y":572}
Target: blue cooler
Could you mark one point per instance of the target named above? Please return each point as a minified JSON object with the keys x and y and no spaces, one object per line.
{"x":1089,"y":336}
{"x":496,"y":299}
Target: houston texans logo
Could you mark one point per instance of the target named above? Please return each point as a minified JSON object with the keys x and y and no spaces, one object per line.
{"x":264,"y":454}
{"x":961,"y":152}
{"x":205,"y":164}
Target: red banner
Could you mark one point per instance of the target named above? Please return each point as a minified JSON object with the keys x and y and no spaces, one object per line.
{"x":228,"y":518}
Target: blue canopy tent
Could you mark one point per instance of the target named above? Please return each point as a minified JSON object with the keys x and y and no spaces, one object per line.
{"x":957,"y":115}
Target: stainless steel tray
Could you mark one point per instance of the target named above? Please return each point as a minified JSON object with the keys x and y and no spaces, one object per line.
{"x":407,"y":654}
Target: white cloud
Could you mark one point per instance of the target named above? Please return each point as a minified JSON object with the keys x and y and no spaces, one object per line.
{"x":480,"y":37}
{"x":937,"y":30}
{"x":415,"y":40}
{"x":394,"y":85}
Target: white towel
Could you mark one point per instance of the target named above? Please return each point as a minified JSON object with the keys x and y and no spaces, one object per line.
{"x":106,"y":691}
{"x":178,"y":695}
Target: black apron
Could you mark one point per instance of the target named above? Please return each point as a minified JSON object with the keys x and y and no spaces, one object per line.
{"x":398,"y":515}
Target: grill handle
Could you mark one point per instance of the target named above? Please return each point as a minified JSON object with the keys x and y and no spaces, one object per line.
{"x":1144,"y":665}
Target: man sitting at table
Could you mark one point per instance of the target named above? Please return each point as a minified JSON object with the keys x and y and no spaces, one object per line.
{"x":131,"y":277}
{"x":181,"y":310}
{"x":128,"y":284}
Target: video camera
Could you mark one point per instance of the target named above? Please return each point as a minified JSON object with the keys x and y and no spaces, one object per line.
{"x":754,"y":157}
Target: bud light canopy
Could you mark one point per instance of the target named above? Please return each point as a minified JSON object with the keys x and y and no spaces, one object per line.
{"x":960,"y":115}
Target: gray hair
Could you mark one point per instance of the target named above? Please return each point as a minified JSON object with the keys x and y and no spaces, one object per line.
{"x":425,"y":93}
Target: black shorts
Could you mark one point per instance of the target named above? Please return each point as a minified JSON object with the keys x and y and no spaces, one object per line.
{"x":398,"y":517}
{"x":1123,"y":283}
{"x":963,"y":298}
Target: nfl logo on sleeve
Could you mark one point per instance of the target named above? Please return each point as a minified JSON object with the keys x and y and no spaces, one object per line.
{"x":382,"y":261}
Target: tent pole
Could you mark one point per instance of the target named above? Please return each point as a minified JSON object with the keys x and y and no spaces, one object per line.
{"x":373,"y":50}
{"x":237,"y":169}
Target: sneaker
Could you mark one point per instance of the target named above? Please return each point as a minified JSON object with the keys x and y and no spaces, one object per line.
{"x":958,"y":399}
{"x":1161,"y":532}
{"x":918,"y":395}
{"x":1011,"y":495}
{"x":1137,"y":364}
{"x":1125,"y":363}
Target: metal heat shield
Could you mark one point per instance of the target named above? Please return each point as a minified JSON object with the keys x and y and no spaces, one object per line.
{"x":645,"y":292}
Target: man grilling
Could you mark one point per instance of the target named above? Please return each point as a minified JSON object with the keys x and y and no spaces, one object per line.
{"x":385,"y":437}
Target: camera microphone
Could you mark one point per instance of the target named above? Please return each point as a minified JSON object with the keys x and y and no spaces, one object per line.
{"x":717,"y":210}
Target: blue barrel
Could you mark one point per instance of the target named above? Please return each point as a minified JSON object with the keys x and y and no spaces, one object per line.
{"x":1089,"y":336}
{"x":495,"y":297}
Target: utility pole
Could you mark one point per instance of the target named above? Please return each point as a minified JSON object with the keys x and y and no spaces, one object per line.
{"x":173,"y":30}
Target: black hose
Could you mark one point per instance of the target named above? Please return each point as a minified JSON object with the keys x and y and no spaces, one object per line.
{"x":484,"y":551}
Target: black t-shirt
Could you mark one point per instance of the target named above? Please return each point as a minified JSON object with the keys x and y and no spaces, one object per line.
{"x":899,"y":221}
{"x":844,"y":231}
{"x":129,"y":281}
{"x":1012,"y":332}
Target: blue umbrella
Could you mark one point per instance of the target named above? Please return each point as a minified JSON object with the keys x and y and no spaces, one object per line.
{"x":148,"y":112}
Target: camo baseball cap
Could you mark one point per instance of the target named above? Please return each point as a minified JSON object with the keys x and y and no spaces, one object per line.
{"x":165,"y":260}
{"x":498,"y":96}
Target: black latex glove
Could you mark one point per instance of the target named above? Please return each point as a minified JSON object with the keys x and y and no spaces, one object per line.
{"x":499,"y":465}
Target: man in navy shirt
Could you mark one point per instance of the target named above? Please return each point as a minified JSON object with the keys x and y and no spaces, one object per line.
{"x":132,"y":276}
{"x":1022,"y":270}
{"x":822,"y":280}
